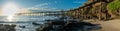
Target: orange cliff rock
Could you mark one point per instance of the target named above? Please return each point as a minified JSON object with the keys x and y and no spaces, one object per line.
{"x":93,"y":9}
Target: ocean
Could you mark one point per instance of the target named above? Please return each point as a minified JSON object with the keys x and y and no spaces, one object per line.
{"x":26,"y":21}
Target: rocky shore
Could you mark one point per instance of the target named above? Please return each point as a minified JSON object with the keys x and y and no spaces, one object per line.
{"x":7,"y":27}
{"x":93,"y":9}
{"x":67,"y":25}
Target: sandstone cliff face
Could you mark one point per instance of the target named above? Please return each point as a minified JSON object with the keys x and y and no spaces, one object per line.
{"x":93,"y":9}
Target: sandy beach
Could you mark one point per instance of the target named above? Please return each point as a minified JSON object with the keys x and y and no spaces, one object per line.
{"x":112,"y":25}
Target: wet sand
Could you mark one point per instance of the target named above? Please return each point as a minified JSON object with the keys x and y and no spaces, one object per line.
{"x":112,"y":25}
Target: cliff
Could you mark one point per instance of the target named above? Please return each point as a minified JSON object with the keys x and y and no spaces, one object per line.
{"x":93,"y":9}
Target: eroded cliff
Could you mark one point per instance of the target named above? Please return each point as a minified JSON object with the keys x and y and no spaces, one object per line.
{"x":93,"y":9}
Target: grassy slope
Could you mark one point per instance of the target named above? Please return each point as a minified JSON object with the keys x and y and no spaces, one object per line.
{"x":114,"y":6}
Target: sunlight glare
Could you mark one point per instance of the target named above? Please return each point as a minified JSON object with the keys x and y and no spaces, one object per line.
{"x":9,"y":9}
{"x":10,"y":18}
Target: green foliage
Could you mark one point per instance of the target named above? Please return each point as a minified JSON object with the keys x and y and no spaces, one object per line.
{"x":114,"y":6}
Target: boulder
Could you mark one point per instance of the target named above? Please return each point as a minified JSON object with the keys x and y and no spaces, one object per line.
{"x":7,"y":27}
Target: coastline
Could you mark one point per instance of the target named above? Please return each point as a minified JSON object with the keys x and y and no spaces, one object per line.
{"x":111,"y":25}
{"x":64,"y":24}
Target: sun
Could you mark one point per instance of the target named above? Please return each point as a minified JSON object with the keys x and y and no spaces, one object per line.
{"x":9,"y":9}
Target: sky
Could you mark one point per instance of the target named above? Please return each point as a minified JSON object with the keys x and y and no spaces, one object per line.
{"x":46,"y":4}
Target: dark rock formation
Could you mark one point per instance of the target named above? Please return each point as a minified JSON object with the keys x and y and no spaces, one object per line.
{"x":35,"y":23}
{"x":7,"y":27}
{"x":65,"y":26}
{"x":22,"y":26}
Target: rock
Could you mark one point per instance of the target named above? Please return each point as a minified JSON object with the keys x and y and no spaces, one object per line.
{"x":7,"y":27}
{"x":44,"y":28}
{"x":63,"y":26}
{"x":34,"y":23}
{"x":22,"y":26}
{"x":57,"y":22}
{"x":87,"y":24}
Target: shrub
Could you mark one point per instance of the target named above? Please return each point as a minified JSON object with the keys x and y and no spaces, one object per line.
{"x":114,"y":6}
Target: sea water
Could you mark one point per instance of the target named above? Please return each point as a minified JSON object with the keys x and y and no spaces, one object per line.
{"x":26,"y":22}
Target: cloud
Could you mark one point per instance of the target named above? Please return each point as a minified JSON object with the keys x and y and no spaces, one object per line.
{"x":77,"y":2}
{"x":43,"y":6}
{"x":80,"y":2}
{"x":40,"y":5}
